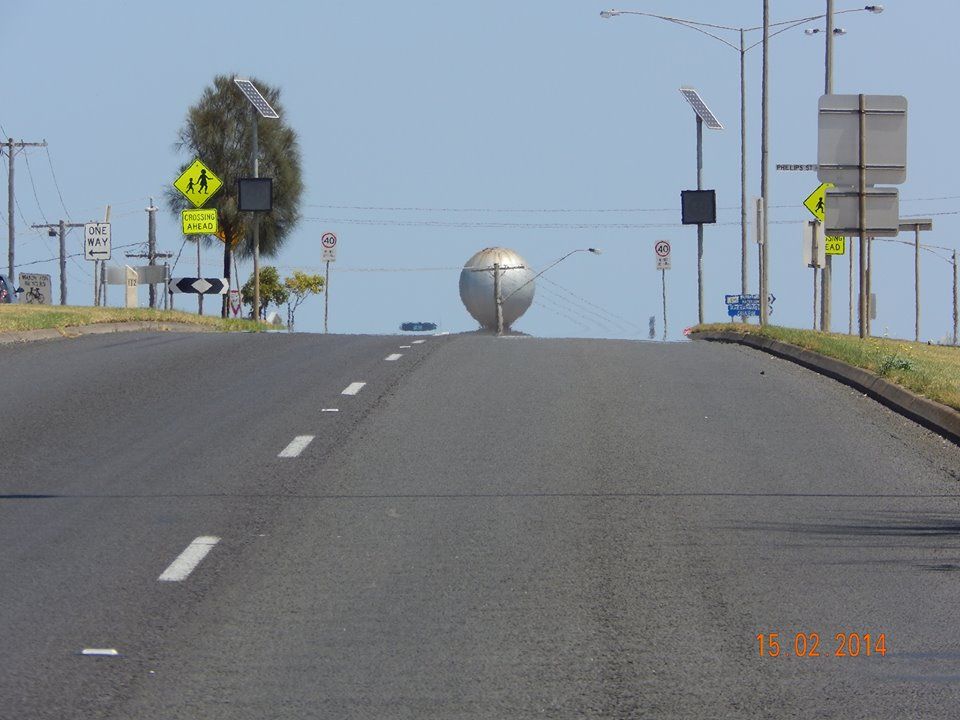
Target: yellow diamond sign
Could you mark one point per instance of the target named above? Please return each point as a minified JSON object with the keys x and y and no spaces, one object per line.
{"x":198,"y":183}
{"x":835,"y":245}
{"x":814,"y":201}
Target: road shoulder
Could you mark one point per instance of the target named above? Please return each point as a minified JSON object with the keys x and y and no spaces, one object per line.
{"x":932,"y":415}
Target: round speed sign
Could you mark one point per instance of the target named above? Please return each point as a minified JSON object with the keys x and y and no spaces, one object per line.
{"x":662,"y":248}
{"x":329,"y":240}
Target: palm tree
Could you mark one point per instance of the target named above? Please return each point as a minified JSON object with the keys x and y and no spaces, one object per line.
{"x":218,"y":130}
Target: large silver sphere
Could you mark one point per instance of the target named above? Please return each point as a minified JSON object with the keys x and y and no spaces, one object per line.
{"x":476,"y":286}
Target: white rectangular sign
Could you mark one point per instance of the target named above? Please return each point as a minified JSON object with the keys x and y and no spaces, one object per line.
{"x":663,"y":263}
{"x":96,"y":241}
{"x":36,"y":289}
{"x":329,"y":254}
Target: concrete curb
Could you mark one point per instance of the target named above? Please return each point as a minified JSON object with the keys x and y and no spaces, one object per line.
{"x":22,"y":336}
{"x":932,"y":415}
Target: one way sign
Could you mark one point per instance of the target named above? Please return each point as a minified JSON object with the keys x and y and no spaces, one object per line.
{"x":96,"y":241}
{"x":199,"y":286}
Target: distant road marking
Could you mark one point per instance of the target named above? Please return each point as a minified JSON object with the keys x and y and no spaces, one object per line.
{"x":418,"y":342}
{"x":188,"y":560}
{"x":296,"y":446}
{"x":353,"y":388}
{"x":107,"y":652}
{"x":330,"y":410}
{"x":393,"y":356}
{"x":404,"y":347}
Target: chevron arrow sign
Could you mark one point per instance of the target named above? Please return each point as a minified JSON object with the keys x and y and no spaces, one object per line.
{"x":199,"y":286}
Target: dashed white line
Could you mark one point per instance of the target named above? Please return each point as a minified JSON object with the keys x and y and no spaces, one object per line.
{"x":188,"y":560}
{"x":404,"y":347}
{"x":419,"y":342}
{"x":393,"y":356}
{"x":353,"y":388}
{"x":330,"y":410}
{"x":106,"y":652}
{"x":296,"y":446}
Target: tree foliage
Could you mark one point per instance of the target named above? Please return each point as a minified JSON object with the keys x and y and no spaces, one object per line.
{"x":271,"y":290}
{"x":300,"y":285}
{"x":218,"y":130}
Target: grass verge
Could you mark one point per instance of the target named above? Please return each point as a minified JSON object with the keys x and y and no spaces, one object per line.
{"x":932,"y":371}
{"x":15,"y":317}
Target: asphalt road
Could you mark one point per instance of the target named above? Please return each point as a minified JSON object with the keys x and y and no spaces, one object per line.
{"x":488,"y":528}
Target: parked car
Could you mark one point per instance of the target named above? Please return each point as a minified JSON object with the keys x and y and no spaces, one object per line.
{"x":8,"y":291}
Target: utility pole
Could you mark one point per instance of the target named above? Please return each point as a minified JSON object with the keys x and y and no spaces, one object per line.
{"x":956,"y":309}
{"x":764,"y":162}
{"x":152,"y":245}
{"x":496,"y":297}
{"x":61,"y":229}
{"x":11,"y":148}
{"x":826,"y":285}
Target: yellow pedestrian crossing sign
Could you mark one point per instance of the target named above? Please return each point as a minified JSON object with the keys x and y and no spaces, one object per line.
{"x":815,"y":200}
{"x":198,"y":183}
{"x":835,"y":244}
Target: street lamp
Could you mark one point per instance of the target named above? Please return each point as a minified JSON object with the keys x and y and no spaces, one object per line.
{"x":710,"y":30}
{"x":501,"y":301}
{"x":258,"y":104}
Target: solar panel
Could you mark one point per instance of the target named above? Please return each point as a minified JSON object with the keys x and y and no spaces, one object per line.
{"x":256,"y":99}
{"x":700,"y":108}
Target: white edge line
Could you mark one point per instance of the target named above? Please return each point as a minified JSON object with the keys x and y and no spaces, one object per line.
{"x":188,"y":560}
{"x":353,"y":388}
{"x":296,"y":446}
{"x":393,"y":356}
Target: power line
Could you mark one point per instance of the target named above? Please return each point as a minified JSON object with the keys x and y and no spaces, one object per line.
{"x":56,"y":184}
{"x":26,"y":158}
{"x":584,"y":300}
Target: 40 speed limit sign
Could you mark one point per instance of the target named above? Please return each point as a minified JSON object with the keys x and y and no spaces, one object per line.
{"x":662,"y":250}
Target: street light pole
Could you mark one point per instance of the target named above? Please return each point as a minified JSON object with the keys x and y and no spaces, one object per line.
{"x":744,"y":290}
{"x":764,"y":134}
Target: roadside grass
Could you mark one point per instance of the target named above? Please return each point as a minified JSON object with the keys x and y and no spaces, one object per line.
{"x":15,"y":317}
{"x":932,"y":371}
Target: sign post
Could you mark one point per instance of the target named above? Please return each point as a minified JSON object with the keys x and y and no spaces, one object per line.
{"x":329,"y":243}
{"x":662,"y":250}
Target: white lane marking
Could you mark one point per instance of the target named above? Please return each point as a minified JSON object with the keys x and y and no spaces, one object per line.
{"x":110,"y":652}
{"x":188,"y":560}
{"x":330,"y":410}
{"x":353,"y":388}
{"x":419,"y":342}
{"x":393,"y":356}
{"x":404,"y":347}
{"x":296,"y":446}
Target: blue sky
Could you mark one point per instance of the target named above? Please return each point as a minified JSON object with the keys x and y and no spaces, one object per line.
{"x":534,"y":125}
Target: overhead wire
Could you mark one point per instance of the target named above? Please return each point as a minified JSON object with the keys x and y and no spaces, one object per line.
{"x":56,"y":184}
{"x":587,"y":302}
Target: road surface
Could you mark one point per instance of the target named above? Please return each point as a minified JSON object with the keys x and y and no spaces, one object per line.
{"x":485,"y":528}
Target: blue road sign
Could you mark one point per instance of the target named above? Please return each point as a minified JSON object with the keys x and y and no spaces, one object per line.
{"x":747,"y":309}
